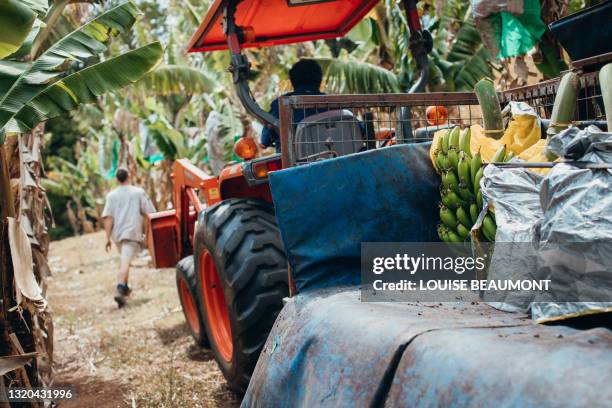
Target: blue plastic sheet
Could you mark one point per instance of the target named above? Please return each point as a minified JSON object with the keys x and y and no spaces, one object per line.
{"x":329,"y":349}
{"x":327,"y":209}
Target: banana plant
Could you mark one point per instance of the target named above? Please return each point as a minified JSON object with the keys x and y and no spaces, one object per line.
{"x":353,"y":76}
{"x":17,"y":18}
{"x":32,"y":92}
{"x":174,"y":79}
{"x":457,"y":62}
{"x":58,"y":79}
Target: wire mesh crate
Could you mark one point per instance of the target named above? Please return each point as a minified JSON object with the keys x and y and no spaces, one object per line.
{"x":325,"y":126}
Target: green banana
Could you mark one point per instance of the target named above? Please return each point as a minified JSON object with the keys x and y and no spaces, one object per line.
{"x":448,"y":217}
{"x":499,"y":155}
{"x":450,"y":181}
{"x":454,"y":199}
{"x":453,"y":157}
{"x":446,"y":200}
{"x":463,"y":218}
{"x":477,"y":179}
{"x":474,"y":212}
{"x":479,"y":202}
{"x":509,"y":156}
{"x":465,"y":193}
{"x":445,"y":141}
{"x":463,"y":231}
{"x":475,"y":165}
{"x":463,"y":170}
{"x":443,"y":233}
{"x":454,"y":138}
{"x":464,"y":141}
{"x":489,"y":228}
{"x":440,"y":161}
{"x":454,"y":237}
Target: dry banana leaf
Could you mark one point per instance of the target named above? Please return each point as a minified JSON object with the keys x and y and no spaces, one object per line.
{"x":21,"y":254}
{"x":10,"y":363}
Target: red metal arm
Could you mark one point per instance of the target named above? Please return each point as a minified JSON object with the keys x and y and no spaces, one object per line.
{"x":186,"y":179}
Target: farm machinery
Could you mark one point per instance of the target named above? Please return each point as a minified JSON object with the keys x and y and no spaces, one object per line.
{"x":232,"y":272}
{"x":243,"y":257}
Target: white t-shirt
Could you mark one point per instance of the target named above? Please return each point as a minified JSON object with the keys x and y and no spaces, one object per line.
{"x":127,"y":205}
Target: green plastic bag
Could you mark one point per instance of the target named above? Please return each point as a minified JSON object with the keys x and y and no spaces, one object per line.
{"x":519,"y":33}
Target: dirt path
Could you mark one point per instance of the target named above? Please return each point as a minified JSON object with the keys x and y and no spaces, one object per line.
{"x":138,"y":356}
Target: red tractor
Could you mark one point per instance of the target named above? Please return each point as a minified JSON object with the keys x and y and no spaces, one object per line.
{"x":232,"y":273}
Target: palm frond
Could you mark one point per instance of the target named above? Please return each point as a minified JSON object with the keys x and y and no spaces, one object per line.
{"x":470,"y":58}
{"x":55,"y":187}
{"x":85,"y":42}
{"x":38,"y":6}
{"x":16,"y":20}
{"x":84,"y":86}
{"x":177,"y":79}
{"x":352,"y":76}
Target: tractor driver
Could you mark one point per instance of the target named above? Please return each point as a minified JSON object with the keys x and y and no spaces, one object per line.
{"x":306,"y":77}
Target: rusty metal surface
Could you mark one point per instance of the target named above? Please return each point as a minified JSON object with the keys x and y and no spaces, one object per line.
{"x":328,"y":348}
{"x":531,"y":365}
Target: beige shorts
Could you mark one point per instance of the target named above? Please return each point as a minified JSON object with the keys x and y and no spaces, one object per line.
{"x":128,"y":249}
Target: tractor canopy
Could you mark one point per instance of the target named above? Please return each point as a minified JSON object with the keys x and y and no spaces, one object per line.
{"x":274,"y":22}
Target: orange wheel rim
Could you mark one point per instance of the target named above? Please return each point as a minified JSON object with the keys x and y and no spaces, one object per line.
{"x":216,"y":308}
{"x":189,"y":307}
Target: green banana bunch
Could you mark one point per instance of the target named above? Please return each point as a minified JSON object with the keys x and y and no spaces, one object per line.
{"x":461,"y":198}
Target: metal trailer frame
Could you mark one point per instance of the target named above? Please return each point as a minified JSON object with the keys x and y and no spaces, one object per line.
{"x":387,"y":110}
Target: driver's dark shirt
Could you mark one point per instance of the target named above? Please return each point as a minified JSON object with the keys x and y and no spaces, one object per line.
{"x":269,"y":136}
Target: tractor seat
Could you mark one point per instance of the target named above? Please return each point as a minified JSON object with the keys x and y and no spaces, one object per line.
{"x":327,"y":135}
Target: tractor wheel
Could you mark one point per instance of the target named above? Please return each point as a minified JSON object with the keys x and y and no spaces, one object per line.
{"x":187,"y":287}
{"x":242,"y":280}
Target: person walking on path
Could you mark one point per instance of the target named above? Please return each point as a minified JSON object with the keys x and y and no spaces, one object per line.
{"x":123,"y":216}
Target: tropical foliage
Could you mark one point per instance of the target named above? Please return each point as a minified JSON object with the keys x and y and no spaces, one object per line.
{"x":43,"y":77}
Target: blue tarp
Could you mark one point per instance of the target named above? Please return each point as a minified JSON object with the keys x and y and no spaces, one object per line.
{"x":327,"y":209}
{"x":327,"y":348}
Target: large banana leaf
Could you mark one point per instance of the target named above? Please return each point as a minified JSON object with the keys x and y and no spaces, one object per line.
{"x":86,"y":85}
{"x":469,"y":57}
{"x":38,"y":6}
{"x":352,"y":76}
{"x":86,"y":41}
{"x":16,"y":20}
{"x":177,"y":79}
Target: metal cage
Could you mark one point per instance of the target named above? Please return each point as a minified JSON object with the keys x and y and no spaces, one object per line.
{"x":334,"y":125}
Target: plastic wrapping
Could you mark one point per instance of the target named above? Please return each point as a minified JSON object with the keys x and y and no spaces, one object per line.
{"x":509,"y":28}
{"x":566,"y":217}
{"x":515,"y":196}
{"x":577,"y":207}
{"x":484,"y":8}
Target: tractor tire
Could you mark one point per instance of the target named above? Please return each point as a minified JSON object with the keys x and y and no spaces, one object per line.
{"x":242,"y":280}
{"x":187,"y":287}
